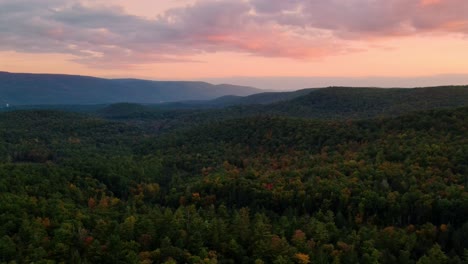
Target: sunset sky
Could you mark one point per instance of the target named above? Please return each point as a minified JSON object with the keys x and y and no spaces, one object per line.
{"x":277,"y":44}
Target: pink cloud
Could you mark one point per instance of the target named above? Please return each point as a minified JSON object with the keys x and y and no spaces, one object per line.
{"x":269,"y":28}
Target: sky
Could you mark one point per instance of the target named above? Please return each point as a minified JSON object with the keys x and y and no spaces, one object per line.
{"x":272,"y":44}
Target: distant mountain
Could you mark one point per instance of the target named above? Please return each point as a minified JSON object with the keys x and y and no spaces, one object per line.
{"x":35,"y":89}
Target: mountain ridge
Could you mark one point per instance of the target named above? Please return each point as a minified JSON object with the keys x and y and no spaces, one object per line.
{"x":37,"y":89}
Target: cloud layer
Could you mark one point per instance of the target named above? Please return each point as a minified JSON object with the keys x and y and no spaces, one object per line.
{"x":105,"y":36}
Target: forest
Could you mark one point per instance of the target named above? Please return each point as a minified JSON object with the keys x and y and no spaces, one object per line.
{"x":315,"y":179}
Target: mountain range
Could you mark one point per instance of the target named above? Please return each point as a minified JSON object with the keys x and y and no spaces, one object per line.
{"x":39,"y":89}
{"x":194,"y":102}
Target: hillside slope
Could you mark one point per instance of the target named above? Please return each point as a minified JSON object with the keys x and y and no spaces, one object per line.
{"x":329,"y":103}
{"x":343,"y":102}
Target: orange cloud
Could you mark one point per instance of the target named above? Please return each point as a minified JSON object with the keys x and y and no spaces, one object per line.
{"x":430,"y":2}
{"x":455,"y":26}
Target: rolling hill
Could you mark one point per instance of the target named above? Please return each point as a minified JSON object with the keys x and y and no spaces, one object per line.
{"x":345,"y":102}
{"x":328,"y":103}
{"x":232,"y":100}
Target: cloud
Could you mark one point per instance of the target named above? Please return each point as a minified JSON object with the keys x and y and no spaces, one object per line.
{"x":104,"y":35}
{"x":375,"y":18}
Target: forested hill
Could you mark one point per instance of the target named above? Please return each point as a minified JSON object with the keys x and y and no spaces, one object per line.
{"x":337,"y":103}
{"x":265,"y":189}
{"x":231,"y":100}
{"x":383,"y":100}
{"x":37,"y":89}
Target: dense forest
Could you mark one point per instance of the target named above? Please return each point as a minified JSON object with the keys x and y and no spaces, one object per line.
{"x":368,"y":180}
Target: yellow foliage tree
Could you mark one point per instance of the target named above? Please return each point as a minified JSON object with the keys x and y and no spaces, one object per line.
{"x":302,"y":258}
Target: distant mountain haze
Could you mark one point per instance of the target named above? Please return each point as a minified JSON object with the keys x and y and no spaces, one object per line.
{"x":34,"y":89}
